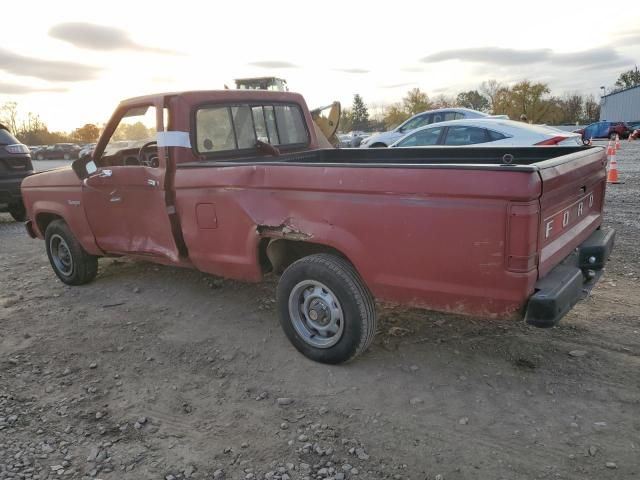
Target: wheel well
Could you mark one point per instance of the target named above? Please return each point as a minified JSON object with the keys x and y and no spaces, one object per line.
{"x":276,"y":254}
{"x":44,"y":219}
{"x":378,"y":145}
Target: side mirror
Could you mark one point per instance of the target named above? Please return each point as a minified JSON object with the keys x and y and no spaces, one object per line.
{"x":84,"y":167}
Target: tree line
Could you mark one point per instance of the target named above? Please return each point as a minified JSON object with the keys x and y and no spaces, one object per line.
{"x":534,"y":100}
{"x":31,"y":130}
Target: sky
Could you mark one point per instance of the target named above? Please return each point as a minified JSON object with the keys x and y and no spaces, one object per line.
{"x":71,"y":62}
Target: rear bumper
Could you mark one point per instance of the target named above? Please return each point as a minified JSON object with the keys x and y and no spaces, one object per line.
{"x":570,"y":281}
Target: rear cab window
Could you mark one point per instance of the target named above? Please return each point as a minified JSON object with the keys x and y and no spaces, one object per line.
{"x":237,"y":128}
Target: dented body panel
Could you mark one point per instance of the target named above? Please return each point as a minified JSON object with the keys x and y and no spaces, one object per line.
{"x":448,"y":229}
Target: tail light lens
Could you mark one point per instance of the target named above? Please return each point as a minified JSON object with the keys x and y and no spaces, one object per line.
{"x":552,"y":141}
{"x":17,"y":148}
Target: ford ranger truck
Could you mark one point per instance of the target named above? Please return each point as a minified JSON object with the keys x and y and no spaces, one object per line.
{"x":233,"y":183}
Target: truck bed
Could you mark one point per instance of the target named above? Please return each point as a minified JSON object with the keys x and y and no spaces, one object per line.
{"x":452,"y":229}
{"x":439,"y":156}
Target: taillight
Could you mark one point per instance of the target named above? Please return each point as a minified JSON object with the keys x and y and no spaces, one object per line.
{"x":17,"y":148}
{"x":552,"y":141}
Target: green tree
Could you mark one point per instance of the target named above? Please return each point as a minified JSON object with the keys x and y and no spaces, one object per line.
{"x":473,"y":99}
{"x":630,"y":78}
{"x":87,"y":134}
{"x":394,"y":116}
{"x":359,"y":114}
{"x":346,"y":120}
{"x":416,"y":101}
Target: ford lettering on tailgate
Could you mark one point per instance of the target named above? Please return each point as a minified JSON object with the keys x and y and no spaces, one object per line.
{"x":559,"y":222}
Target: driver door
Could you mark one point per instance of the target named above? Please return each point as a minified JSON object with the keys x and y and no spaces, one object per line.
{"x":125,"y":198}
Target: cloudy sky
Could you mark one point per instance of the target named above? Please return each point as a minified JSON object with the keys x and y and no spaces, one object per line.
{"x":71,"y":62}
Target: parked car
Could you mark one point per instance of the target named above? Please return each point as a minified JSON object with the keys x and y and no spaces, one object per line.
{"x":604,"y":129}
{"x":59,"y":151}
{"x":87,"y":150}
{"x":15,"y":165}
{"x":487,"y":132}
{"x":491,"y":232}
{"x":385,"y":139}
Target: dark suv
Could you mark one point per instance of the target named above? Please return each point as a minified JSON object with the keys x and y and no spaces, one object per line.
{"x":15,"y":164}
{"x":68,"y":151}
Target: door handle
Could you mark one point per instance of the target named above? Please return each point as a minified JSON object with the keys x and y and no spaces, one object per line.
{"x":152,"y":183}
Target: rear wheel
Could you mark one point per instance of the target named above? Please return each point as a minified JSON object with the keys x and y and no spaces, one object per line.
{"x":325,"y":309}
{"x":18,"y":212}
{"x":70,"y":262}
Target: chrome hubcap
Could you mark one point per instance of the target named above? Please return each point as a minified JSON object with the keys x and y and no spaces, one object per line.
{"x":61,"y":255}
{"x":316,"y":314}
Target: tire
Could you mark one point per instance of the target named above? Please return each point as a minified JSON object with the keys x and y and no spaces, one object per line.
{"x":18,"y":212}
{"x":68,"y":259}
{"x":346,"y":307}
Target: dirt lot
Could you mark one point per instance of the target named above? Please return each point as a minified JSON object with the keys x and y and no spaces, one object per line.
{"x":159,"y":373}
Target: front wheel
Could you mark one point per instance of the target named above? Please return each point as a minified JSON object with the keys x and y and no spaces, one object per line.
{"x":325,"y":309}
{"x":612,"y":136}
{"x":70,"y":262}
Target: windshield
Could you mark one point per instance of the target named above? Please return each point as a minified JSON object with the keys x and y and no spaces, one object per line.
{"x":6,"y":138}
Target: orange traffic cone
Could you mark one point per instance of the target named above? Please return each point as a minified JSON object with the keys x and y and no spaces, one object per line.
{"x":617,"y":142}
{"x":611,"y":152}
{"x":612,"y":174}
{"x":591,"y":141}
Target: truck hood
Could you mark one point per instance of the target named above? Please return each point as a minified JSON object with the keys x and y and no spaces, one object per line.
{"x":58,"y":177}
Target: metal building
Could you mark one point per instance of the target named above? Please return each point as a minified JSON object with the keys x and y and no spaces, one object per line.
{"x":622,"y":106}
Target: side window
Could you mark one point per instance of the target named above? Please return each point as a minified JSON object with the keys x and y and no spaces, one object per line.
{"x":493,"y":136}
{"x":238,"y":127}
{"x":426,"y":137}
{"x":438,"y":117}
{"x":137,"y":127}
{"x":465,"y":136}
{"x":450,"y":116}
{"x":417,"y":122}
{"x":458,"y":116}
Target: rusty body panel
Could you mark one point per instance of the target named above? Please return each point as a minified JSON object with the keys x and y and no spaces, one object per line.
{"x":451,"y":230}
{"x":401,"y":228}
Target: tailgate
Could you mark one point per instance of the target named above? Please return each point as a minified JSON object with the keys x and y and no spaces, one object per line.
{"x":571,"y":204}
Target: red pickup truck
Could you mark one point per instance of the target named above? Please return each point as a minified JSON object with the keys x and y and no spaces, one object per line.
{"x":234,"y":183}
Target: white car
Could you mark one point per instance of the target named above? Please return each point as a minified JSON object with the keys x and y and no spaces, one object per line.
{"x":385,"y":139}
{"x":488,"y":132}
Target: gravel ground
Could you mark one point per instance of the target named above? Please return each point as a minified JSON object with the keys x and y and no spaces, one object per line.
{"x":153,"y":372}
